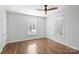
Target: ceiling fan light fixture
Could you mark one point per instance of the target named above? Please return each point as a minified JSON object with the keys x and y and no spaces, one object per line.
{"x":47,"y":9}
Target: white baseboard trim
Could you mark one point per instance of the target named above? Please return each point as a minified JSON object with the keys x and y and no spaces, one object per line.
{"x":64,"y":43}
{"x":2,"y":47}
{"x":24,"y":39}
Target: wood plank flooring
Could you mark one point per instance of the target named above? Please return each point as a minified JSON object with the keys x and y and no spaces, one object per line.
{"x":38,"y":46}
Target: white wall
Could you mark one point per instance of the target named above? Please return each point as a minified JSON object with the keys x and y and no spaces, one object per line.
{"x":17,"y":27}
{"x":3,"y":28}
{"x":71,"y":22}
{"x":71,"y":25}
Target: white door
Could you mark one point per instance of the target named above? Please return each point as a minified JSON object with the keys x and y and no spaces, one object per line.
{"x":4,"y":24}
{"x":0,"y":30}
{"x":3,"y":27}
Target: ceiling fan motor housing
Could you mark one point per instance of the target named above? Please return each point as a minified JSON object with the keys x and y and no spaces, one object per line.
{"x":45,"y":7}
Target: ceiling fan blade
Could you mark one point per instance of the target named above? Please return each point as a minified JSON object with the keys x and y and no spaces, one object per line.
{"x":40,"y":9}
{"x":52,"y":8}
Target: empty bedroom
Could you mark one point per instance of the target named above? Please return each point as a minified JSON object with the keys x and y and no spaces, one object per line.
{"x":39,"y":29}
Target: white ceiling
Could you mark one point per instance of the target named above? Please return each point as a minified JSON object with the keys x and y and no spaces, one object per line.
{"x":28,"y":9}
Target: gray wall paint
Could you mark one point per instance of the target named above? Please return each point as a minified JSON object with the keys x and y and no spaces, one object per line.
{"x":18,"y":27}
{"x":71,"y":38}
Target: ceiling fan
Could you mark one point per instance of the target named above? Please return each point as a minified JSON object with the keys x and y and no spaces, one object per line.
{"x":47,"y":9}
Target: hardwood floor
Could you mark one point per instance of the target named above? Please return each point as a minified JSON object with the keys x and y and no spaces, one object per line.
{"x":38,"y":46}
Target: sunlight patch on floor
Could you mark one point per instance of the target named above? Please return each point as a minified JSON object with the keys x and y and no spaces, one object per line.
{"x":32,"y":49}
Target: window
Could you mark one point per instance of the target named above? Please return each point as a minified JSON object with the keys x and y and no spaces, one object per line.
{"x":32,"y":26}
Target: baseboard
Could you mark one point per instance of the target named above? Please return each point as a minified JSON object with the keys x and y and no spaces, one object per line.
{"x":64,"y":43}
{"x":2,"y":48}
{"x":25,"y":39}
